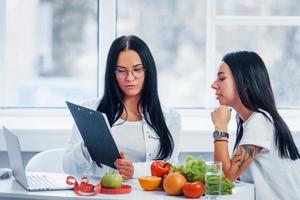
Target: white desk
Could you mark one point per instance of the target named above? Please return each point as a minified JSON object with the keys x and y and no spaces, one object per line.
{"x":10,"y":189}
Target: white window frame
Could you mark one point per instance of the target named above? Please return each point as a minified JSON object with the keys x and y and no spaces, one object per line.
{"x":2,"y":19}
{"x":53,"y":125}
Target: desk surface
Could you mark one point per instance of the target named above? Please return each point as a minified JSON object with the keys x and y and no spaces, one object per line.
{"x":9,"y":188}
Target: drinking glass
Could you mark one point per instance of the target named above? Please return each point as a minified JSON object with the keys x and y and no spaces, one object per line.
{"x":213,"y":179}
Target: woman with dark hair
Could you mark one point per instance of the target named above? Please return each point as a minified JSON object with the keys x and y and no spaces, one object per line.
{"x":264,"y":153}
{"x":142,"y":130}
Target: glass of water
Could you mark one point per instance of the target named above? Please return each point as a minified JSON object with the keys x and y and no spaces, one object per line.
{"x":213,"y":179}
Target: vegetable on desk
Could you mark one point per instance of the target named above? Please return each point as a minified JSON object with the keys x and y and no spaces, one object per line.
{"x":193,"y":189}
{"x":194,"y":170}
{"x":227,"y":186}
{"x":160,"y":168}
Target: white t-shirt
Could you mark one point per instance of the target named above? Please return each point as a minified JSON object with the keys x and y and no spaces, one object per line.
{"x":130,"y":140}
{"x":274,"y":177}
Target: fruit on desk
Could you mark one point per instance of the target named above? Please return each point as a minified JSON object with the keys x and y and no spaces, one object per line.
{"x":149,"y":183}
{"x":160,"y":168}
{"x":112,"y":180}
{"x":194,"y":169}
{"x":173,"y":183}
{"x":193,"y":189}
{"x":161,"y":185}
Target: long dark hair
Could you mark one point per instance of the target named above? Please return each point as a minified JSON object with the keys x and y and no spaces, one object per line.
{"x":112,"y":101}
{"x":255,"y":91}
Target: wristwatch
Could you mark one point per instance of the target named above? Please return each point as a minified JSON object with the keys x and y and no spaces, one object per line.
{"x":217,"y":134}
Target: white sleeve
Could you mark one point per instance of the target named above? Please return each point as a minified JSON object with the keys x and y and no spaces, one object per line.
{"x":173,"y":122}
{"x":77,"y":159}
{"x":74,"y":161}
{"x":258,"y":131}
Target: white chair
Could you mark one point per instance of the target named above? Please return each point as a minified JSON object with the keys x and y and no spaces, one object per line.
{"x":47,"y":161}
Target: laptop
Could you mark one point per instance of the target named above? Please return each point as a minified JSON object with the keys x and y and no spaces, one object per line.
{"x":96,"y":133}
{"x":31,"y":181}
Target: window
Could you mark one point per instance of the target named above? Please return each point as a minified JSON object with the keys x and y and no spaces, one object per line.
{"x":175,"y":32}
{"x":49,"y":52}
{"x":280,"y":50}
{"x":273,"y":30}
{"x":188,"y":39}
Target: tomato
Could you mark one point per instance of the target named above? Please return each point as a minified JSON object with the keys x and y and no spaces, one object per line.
{"x":160,"y":168}
{"x":193,"y":189}
{"x":173,"y":183}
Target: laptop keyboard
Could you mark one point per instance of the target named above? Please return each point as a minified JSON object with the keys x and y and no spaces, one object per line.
{"x":40,"y":181}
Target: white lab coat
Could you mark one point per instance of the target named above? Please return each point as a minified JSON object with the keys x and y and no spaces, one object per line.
{"x":75,"y":162}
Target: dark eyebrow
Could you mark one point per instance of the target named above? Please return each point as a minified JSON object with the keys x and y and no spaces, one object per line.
{"x":137,"y":65}
{"x":220,"y":73}
{"x":131,"y":67}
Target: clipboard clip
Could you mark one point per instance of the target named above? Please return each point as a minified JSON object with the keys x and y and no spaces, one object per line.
{"x":99,"y":165}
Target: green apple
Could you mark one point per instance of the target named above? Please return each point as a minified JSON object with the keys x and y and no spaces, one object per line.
{"x":112,"y":180}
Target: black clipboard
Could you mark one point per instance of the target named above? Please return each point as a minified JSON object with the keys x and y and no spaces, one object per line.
{"x":94,"y":129}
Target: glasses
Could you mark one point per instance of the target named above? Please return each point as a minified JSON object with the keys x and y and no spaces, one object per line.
{"x":136,"y":72}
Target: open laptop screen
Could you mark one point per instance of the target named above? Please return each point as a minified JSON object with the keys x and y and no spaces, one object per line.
{"x":15,"y":157}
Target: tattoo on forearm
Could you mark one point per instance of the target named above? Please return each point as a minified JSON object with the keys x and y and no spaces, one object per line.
{"x":250,"y":150}
{"x":244,"y":153}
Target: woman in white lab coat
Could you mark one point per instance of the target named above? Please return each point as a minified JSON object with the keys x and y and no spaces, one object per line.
{"x":142,"y":130}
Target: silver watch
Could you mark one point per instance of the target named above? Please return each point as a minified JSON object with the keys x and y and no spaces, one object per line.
{"x":217,"y":134}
